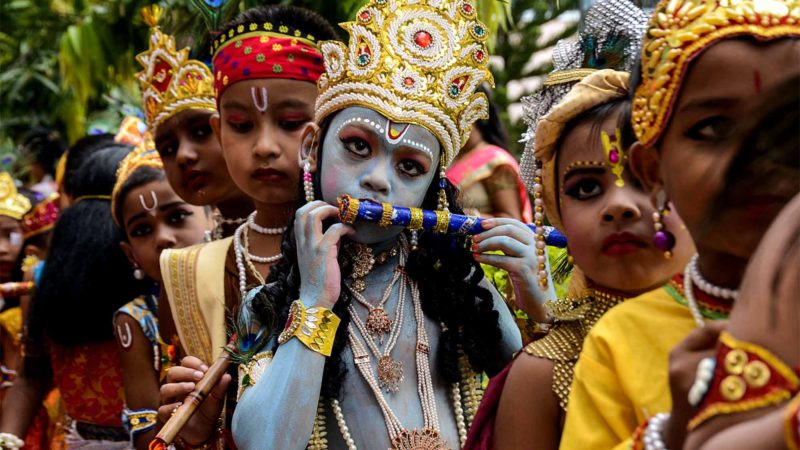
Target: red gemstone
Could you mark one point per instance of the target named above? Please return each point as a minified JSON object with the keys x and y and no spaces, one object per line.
{"x":467,"y":8}
{"x":423,"y":39}
{"x":364,"y":15}
{"x":408,"y":81}
{"x":479,"y":55}
{"x":613,"y":156}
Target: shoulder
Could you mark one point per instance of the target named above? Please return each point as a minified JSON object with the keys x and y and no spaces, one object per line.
{"x":659,"y":304}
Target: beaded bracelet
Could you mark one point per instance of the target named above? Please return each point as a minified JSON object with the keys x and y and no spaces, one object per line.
{"x":10,"y":441}
{"x":315,"y":327}
{"x":653,"y":439}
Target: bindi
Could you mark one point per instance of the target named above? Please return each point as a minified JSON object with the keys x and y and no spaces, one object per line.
{"x":260,"y":98}
{"x":147,"y":207}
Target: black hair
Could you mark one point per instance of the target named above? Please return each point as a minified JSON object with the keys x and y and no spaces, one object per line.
{"x":302,"y":19}
{"x":492,"y":129}
{"x":139,"y":177}
{"x":447,"y":276}
{"x":46,"y":147}
{"x":86,"y":277}
{"x":79,"y":151}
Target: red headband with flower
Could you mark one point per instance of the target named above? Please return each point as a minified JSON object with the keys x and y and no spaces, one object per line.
{"x":263,"y":50}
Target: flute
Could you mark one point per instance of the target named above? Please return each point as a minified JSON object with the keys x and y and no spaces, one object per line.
{"x":352,"y":210}
{"x":184,"y":412}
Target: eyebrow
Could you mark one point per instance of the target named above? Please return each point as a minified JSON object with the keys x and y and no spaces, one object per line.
{"x":161,"y":208}
{"x":233,"y":104}
{"x":192,"y":120}
{"x":569,"y":173}
{"x":290,"y":103}
{"x":709,"y":103}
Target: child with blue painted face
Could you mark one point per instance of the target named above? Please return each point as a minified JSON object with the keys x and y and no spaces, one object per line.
{"x":384,"y":330}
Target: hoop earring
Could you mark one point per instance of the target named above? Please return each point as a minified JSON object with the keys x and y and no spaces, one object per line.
{"x":663,"y":239}
{"x":137,"y":272}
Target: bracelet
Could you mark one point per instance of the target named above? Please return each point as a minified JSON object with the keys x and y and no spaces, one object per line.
{"x":702,"y":380}
{"x":315,"y":327}
{"x":637,"y":439}
{"x":10,"y":441}
{"x":138,"y":421}
{"x":653,"y":439}
{"x":791,"y":424}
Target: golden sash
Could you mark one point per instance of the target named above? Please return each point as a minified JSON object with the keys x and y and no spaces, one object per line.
{"x":194,"y":280}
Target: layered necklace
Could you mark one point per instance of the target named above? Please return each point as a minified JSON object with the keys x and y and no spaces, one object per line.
{"x":241,"y":248}
{"x":364,"y":261}
{"x":692,"y":277}
{"x":219,"y":223}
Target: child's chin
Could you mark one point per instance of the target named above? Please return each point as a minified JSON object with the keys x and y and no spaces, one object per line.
{"x":370,"y":233}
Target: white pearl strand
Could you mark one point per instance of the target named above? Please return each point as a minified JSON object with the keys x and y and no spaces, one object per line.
{"x":705,"y":286}
{"x":251,"y":223}
{"x":688,"y":292}
{"x":652,"y":434}
{"x":242,"y":252}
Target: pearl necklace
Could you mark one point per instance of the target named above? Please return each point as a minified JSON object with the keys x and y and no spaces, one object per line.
{"x":241,"y":249}
{"x":220,"y":221}
{"x":705,"y":286}
{"x":688,"y":292}
{"x":251,"y":223}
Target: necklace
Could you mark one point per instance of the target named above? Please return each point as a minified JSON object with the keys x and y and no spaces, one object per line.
{"x":220,"y":221}
{"x":251,"y":223}
{"x":378,"y":322}
{"x":428,"y":436}
{"x":705,"y":286}
{"x":390,"y":371}
{"x":241,"y":249}
{"x":364,"y":261}
{"x":688,"y":291}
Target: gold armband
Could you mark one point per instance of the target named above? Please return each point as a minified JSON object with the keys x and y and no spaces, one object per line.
{"x":315,"y":327}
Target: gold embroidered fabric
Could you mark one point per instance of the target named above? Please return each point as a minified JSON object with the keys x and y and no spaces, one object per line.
{"x":562,"y":345}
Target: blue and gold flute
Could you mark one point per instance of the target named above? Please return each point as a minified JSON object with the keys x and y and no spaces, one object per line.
{"x":352,"y":210}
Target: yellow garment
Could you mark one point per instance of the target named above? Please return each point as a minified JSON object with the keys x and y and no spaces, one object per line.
{"x":11,"y":322}
{"x":194,"y":280}
{"x":622,"y":375}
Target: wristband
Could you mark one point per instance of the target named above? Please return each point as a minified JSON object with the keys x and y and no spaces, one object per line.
{"x":315,"y":327}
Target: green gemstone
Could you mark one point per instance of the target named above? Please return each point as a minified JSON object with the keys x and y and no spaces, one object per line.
{"x":246,"y":380}
{"x":363,"y":60}
{"x":479,"y":30}
{"x":454,"y":90}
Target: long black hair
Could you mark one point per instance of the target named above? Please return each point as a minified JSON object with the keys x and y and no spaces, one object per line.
{"x":86,"y":277}
{"x":447,"y":276}
{"x":492,"y":129}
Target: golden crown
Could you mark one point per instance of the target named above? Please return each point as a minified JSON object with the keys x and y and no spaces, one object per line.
{"x":144,"y":155}
{"x":170,"y":81}
{"x":12,"y":203}
{"x":414,"y":61}
{"x":679,"y":30}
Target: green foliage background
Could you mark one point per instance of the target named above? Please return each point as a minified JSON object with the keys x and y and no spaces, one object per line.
{"x":69,"y":64}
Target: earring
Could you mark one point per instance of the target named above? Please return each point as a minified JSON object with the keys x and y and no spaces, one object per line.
{"x":663,"y":239}
{"x":308,"y":183}
{"x":414,"y":240}
{"x":137,"y":272}
{"x":442,"y":204}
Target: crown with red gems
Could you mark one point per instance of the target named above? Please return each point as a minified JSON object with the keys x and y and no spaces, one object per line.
{"x":414,"y":61}
{"x":41,"y":217}
{"x":170,"y":81}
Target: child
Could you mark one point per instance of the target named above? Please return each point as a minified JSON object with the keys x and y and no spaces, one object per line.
{"x":266,"y":64}
{"x":395,"y":107}
{"x":153,"y":218}
{"x":704,"y":68}
{"x":177,"y":111}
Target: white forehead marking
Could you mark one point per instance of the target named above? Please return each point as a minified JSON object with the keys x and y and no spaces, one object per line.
{"x":411,"y":143}
{"x":144,"y":203}
{"x":262,"y":104}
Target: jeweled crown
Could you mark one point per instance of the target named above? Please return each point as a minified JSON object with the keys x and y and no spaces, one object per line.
{"x":41,"y":217}
{"x":170,"y":81}
{"x":12,"y":203}
{"x":414,"y":61}
{"x":681,"y":29}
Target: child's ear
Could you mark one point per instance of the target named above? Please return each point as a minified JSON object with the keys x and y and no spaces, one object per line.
{"x":645,"y":163}
{"x":309,"y":147}
{"x":128,"y":250}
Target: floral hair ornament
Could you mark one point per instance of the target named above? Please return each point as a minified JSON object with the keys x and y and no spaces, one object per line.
{"x":12,"y":203}
{"x":609,"y":39}
{"x":415,"y":62}
{"x":144,"y":155}
{"x":170,"y":81}
{"x":41,"y":217}
{"x":679,"y":31}
{"x":264,"y":50}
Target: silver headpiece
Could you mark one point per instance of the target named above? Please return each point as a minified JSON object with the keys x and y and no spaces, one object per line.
{"x":610,"y":38}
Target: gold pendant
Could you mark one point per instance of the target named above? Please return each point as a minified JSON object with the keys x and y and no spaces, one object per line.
{"x":424,"y":439}
{"x":390,"y":374}
{"x":378,"y":322}
{"x":359,"y":284}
